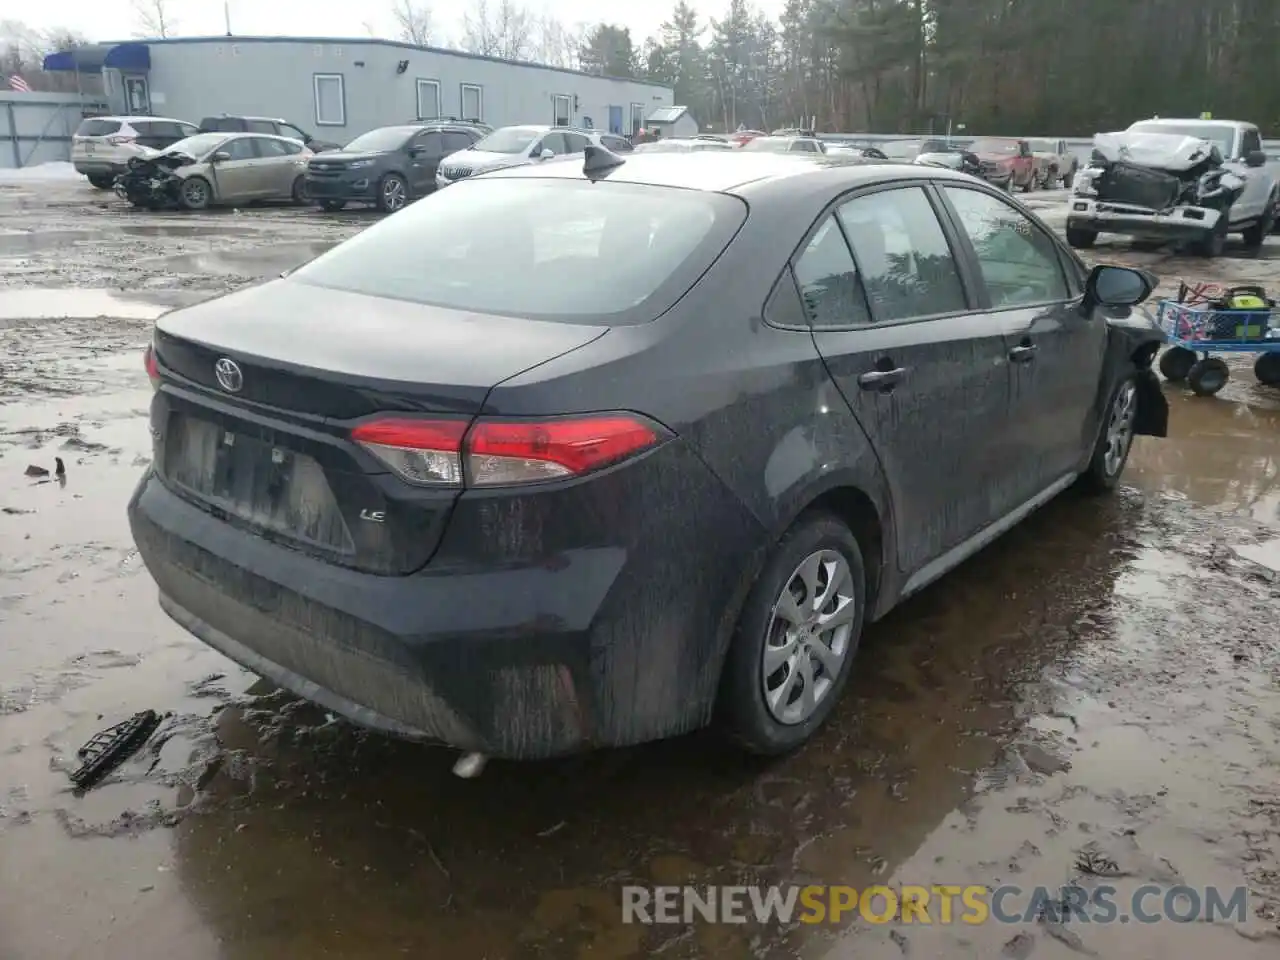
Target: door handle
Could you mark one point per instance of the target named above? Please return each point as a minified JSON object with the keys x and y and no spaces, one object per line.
{"x":884,"y":380}
{"x":1024,"y":353}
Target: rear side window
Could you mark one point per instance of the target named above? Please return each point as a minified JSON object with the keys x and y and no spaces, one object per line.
{"x":97,"y":128}
{"x":617,"y":144}
{"x":221,"y":125}
{"x":454,"y":141}
{"x":260,"y":126}
{"x":546,"y":249}
{"x":273,"y":148}
{"x":828,"y":280}
{"x":902,"y":254}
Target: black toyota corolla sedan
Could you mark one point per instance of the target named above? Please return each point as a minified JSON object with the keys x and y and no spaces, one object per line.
{"x":587,"y":454}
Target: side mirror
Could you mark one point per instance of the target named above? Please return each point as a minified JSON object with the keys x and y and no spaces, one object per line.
{"x":221,"y":157}
{"x":1255,"y":158}
{"x":546,"y":154}
{"x":1113,"y":286}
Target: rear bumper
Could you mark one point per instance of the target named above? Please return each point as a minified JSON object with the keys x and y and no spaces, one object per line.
{"x":547,"y":653}
{"x":353,"y":188}
{"x":1178,"y":223}
{"x":95,"y":167}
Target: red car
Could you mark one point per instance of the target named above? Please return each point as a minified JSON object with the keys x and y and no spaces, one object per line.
{"x":1006,"y":162}
{"x":745,"y":136}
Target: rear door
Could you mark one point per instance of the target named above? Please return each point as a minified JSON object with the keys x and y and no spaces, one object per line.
{"x":1056,"y":351}
{"x":925,"y":372}
{"x":425,"y":153}
{"x":279,"y":166}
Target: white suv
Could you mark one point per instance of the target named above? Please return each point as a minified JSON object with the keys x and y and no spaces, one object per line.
{"x":524,"y":144}
{"x":103,"y":146}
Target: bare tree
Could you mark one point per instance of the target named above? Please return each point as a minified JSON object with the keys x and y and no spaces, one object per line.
{"x":413,"y":21}
{"x":153,"y":16}
{"x":555,"y":44}
{"x":504,"y":30}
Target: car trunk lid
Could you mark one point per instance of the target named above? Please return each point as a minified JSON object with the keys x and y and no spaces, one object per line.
{"x":267,"y":444}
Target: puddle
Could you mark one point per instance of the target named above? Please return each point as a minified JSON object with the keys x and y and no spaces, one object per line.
{"x":264,"y":262}
{"x":16,"y":244}
{"x":1264,"y":554}
{"x":89,"y":304}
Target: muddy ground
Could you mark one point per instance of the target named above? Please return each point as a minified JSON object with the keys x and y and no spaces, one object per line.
{"x":1099,"y":687}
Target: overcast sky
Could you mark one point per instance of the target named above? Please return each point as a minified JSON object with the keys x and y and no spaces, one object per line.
{"x":117,"y":19}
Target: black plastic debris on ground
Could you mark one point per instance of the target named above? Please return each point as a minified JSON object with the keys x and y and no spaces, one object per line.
{"x":107,"y":750}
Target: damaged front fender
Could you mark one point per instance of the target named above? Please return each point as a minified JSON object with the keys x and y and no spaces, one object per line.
{"x":1133,"y":339}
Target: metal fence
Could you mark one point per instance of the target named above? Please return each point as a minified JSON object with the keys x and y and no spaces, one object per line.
{"x":1082,"y":147}
{"x":37,"y":127}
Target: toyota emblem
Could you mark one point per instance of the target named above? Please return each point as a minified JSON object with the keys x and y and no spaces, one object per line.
{"x":229,"y":375}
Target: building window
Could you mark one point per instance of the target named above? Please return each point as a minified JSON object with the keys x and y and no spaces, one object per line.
{"x":428,"y":99}
{"x":637,"y":118}
{"x":472,"y":102}
{"x":331,"y":100}
{"x":561,"y":111}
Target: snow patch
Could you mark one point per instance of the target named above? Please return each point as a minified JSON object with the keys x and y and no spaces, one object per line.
{"x":54,"y":170}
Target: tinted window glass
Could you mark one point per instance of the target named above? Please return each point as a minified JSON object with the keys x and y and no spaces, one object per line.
{"x":289,"y":130}
{"x":241,"y":148}
{"x":828,"y":280}
{"x":431,"y":144}
{"x":187,"y":129}
{"x":906,"y":265}
{"x":576,"y":142}
{"x":1019,"y":262}
{"x":271,"y":148}
{"x":556,"y":143}
{"x":1250,"y":142}
{"x":382,"y":139}
{"x":260,"y":126}
{"x":222,"y":124}
{"x":97,"y":128}
{"x":622,"y":254}
{"x":454,"y":141}
{"x":143,"y":128}
{"x":617,"y":144}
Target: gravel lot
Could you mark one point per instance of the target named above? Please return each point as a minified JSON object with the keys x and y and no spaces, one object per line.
{"x":1100,"y":686}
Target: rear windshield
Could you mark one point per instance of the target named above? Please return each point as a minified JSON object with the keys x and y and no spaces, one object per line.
{"x":97,"y":128}
{"x":994,"y":146}
{"x":901,"y":149}
{"x":546,"y":249}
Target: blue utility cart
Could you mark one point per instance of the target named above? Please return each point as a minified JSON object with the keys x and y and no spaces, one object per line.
{"x":1208,"y":318}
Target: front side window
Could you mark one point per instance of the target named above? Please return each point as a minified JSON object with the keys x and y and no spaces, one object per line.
{"x":1019,"y":263}
{"x":566,"y":250}
{"x":575,"y":142}
{"x":331,"y":100}
{"x":240,"y":148}
{"x":1251,"y":142}
{"x":429,"y":144}
{"x":555,"y":142}
{"x":828,"y":280}
{"x":455,"y":141}
{"x":907,"y":267}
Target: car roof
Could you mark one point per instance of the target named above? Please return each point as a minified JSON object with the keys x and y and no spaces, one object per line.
{"x":1232,"y":124}
{"x":135,"y":119}
{"x":736,"y":171}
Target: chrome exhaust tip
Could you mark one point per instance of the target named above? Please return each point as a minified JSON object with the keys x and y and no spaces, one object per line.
{"x":470,"y":765}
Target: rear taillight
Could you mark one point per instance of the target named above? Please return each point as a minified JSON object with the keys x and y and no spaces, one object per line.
{"x":153,"y":368}
{"x":120,"y":139}
{"x":495,"y":453}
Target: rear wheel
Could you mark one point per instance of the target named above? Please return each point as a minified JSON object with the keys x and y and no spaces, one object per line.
{"x":1267,"y":369}
{"x":101,"y":181}
{"x":1206,"y":377}
{"x":1176,"y":363}
{"x":332,"y":205}
{"x":1112,"y":450}
{"x":1081,"y":238}
{"x":1068,"y":178}
{"x":796,"y":638}
{"x":196,"y":193}
{"x":1031,"y":182}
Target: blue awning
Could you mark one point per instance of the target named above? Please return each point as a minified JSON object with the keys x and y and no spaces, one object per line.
{"x":93,"y":57}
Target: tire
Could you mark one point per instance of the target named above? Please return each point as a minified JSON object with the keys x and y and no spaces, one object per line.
{"x":1009,"y":184}
{"x":101,"y":181}
{"x":1081,"y":238}
{"x":1068,"y":179}
{"x":1211,"y":245}
{"x":1256,"y":235}
{"x":1030,"y":184}
{"x":332,"y":206}
{"x":1267,"y":369}
{"x":196,"y":193}
{"x":1115,"y":440}
{"x":393,"y":193}
{"x":814,"y":546}
{"x":1206,"y":377}
{"x":299,"y":191}
{"x":1176,"y":363}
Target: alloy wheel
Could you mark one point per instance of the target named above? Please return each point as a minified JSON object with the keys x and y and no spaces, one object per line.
{"x":1120,"y":428}
{"x":194,"y":193}
{"x":393,"y":194}
{"x":808,"y":636}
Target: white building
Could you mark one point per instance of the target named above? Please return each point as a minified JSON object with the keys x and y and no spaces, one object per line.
{"x":671,"y":122}
{"x":338,"y":89}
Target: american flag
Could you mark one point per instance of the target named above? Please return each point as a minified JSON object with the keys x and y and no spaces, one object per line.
{"x":17,"y":83}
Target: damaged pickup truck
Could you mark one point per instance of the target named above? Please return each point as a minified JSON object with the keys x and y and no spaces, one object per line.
{"x":1190,"y":181}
